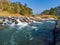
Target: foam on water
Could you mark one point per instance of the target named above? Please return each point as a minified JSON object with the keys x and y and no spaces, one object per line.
{"x":20,"y":25}
{"x":12,"y":25}
{"x":51,"y":21}
{"x":31,"y":27}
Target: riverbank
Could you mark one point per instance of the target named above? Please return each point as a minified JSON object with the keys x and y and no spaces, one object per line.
{"x":8,"y":14}
{"x":24,"y":19}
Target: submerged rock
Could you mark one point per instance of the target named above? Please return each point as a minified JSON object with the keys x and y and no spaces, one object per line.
{"x":3,"y":27}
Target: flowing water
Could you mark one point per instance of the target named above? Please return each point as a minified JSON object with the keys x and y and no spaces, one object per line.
{"x":38,"y":33}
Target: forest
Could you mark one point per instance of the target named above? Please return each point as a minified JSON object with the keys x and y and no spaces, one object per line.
{"x":15,"y":7}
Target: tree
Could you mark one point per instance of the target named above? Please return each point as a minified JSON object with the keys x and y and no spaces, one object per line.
{"x":46,"y":12}
{"x":15,"y":7}
{"x":25,"y":5}
{"x":2,"y":2}
{"x":22,"y":12}
{"x":30,"y":12}
{"x":52,"y":11}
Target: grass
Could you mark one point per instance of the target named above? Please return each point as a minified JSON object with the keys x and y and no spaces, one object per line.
{"x":7,"y":14}
{"x":48,"y":16}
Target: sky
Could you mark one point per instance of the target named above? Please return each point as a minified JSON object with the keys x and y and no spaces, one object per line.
{"x":39,"y":6}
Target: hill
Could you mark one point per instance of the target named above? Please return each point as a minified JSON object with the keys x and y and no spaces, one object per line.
{"x":52,"y":11}
{"x":8,"y":8}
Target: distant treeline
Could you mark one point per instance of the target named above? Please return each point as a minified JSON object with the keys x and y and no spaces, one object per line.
{"x":52,"y":11}
{"x":15,"y":7}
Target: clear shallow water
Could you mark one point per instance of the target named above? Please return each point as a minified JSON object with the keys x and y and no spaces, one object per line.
{"x":38,"y":33}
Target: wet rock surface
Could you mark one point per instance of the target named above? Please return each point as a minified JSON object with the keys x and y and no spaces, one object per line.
{"x":9,"y":20}
{"x":57,"y":34}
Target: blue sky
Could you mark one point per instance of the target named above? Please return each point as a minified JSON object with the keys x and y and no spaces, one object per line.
{"x":39,"y":5}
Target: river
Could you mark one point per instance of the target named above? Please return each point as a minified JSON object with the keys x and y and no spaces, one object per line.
{"x":37,"y":33}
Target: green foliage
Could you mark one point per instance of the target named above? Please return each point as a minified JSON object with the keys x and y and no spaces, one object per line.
{"x":57,"y":11}
{"x":30,"y":11}
{"x":52,"y":11}
{"x":22,"y":12}
{"x":58,"y":17}
{"x":46,"y":12}
{"x":15,"y":7}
